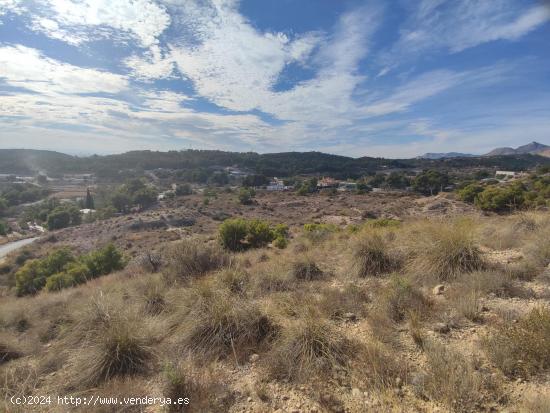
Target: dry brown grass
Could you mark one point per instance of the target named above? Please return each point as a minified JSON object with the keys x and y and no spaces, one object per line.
{"x":452,"y":379}
{"x":535,"y":402}
{"x":522,"y":349}
{"x":335,"y":303}
{"x":202,"y":385}
{"x":373,"y":255}
{"x":121,"y":348}
{"x":308,"y":347}
{"x":218,"y":324}
{"x":444,"y":251}
{"x":191,"y":258}
{"x":305,"y":269}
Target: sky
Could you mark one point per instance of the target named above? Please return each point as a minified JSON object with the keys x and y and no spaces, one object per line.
{"x":390,"y":78}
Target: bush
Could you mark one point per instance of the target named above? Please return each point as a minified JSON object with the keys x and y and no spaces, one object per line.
{"x":470,"y":192}
{"x":238,"y":234}
{"x":259,"y":233}
{"x":319,"y":232}
{"x":522,"y":349}
{"x":232,"y":233}
{"x":104,"y":261}
{"x":280,"y":243}
{"x":75,"y":273}
{"x":192,"y":258}
{"x":65,"y":270}
{"x":183,"y":189}
{"x":498,"y":199}
{"x":371,"y":256}
{"x":3,"y":228}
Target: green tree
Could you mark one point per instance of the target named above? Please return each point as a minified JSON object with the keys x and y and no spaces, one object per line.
{"x":246,"y":195}
{"x":498,"y":199}
{"x":3,"y":228}
{"x":430,"y":182}
{"x":89,"y":203}
{"x":145,"y":197}
{"x":3,"y":207}
{"x":183,"y":189}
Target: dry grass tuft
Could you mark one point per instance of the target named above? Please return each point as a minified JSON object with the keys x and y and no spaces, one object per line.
{"x":452,"y":379}
{"x":401,"y":298}
{"x":191,"y":258}
{"x":305,"y":269}
{"x":8,"y":352}
{"x":445,"y":251}
{"x":121,"y":348}
{"x":335,"y":303}
{"x":201,"y":385}
{"x":308,"y":347}
{"x":372,"y":256}
{"x":523,"y":348}
{"x":218,"y":324}
{"x":535,"y":403}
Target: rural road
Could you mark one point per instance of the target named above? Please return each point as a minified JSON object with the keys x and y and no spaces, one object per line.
{"x":12,"y":246}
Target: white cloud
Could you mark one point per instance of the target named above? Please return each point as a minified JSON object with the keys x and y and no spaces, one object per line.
{"x":456,"y":25}
{"x":30,"y":69}
{"x":77,"y":21}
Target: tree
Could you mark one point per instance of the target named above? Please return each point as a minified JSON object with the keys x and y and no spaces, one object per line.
{"x":3,"y":207}
{"x":58,"y":218}
{"x":145,"y":197}
{"x":430,"y":182}
{"x":246,"y":195}
{"x":255,"y":180}
{"x":121,"y":201}
{"x":89,"y":203}
{"x":3,"y":228}
{"x":42,"y":179}
{"x":183,"y":189}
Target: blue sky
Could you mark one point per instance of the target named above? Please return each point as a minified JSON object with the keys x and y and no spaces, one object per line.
{"x":359,"y":78}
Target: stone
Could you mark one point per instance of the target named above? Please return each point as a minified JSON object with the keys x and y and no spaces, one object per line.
{"x":350,"y":317}
{"x":355,"y":392}
{"x":249,"y":400}
{"x":438,"y":289}
{"x":254,"y":358}
{"x":442,"y":328}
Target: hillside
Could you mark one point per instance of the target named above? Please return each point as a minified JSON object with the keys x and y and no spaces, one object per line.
{"x":533,"y":148}
{"x":23,"y":161}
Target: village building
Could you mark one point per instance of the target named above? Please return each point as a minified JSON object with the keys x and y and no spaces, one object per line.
{"x":277,"y":185}
{"x":327,"y":182}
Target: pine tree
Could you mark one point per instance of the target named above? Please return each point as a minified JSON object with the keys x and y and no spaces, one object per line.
{"x":89,"y":200}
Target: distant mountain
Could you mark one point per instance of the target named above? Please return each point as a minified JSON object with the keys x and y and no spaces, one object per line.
{"x":533,"y":148}
{"x":432,"y":155}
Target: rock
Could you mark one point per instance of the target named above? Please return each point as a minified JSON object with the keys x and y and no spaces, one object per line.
{"x":442,"y":328}
{"x":285,"y":397}
{"x":249,"y":400}
{"x":254,"y":358}
{"x":418,"y":379}
{"x":355,"y":392}
{"x":438,"y":289}
{"x":350,"y":317}
{"x":295,"y":411}
{"x":398,"y":382}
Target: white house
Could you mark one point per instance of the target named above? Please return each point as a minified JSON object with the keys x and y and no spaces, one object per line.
{"x":276,"y":185}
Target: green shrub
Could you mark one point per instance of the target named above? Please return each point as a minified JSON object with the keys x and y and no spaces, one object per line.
{"x":470,"y":192}
{"x":280,"y":242}
{"x":104,"y":261}
{"x":259,"y":233}
{"x":319,"y":232}
{"x":232,"y":233}
{"x":30,"y":278}
{"x":237,"y":234}
{"x":498,"y":199}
